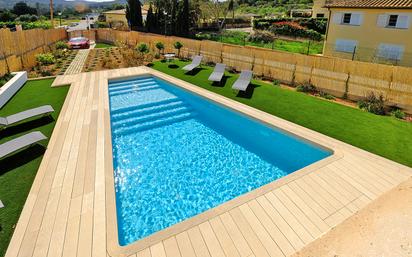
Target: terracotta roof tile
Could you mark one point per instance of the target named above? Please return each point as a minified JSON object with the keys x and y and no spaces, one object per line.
{"x":405,"y":4}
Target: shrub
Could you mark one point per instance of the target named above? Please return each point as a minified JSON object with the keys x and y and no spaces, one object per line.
{"x":326,"y":95}
{"x":276,"y":82}
{"x":316,"y":24}
{"x":27,"y":18}
{"x":307,"y":88}
{"x":398,"y":113}
{"x":142,"y":48}
{"x":5,"y":78}
{"x":45,"y":59}
{"x":289,"y":28}
{"x":157,"y":56}
{"x":261,"y":36}
{"x":61,"y":45}
{"x":160,"y":46}
{"x":373,"y":104}
{"x":177,"y":45}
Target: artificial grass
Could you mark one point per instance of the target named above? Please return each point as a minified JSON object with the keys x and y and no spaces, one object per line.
{"x":18,"y":171}
{"x":383,"y":135}
{"x":103,"y":45}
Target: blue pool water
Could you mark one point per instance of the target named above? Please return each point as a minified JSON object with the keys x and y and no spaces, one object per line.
{"x":177,"y":155}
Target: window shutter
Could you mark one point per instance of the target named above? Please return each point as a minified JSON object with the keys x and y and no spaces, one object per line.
{"x":382,"y":20}
{"x":390,"y":51}
{"x":337,"y":18}
{"x":356,"y":19}
{"x":344,"y":45}
{"x":403,"y":22}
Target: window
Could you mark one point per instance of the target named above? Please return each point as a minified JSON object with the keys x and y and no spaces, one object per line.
{"x":346,"y":18}
{"x":320,"y":15}
{"x":392,"y":20}
{"x":390,"y":52}
{"x":345,"y":45}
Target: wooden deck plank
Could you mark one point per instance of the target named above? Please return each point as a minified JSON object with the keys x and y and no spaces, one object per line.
{"x":280,"y":222}
{"x":185,"y":246}
{"x":215,"y":249}
{"x":247,"y":231}
{"x":224,"y":239}
{"x":279,"y":238}
{"x":240,"y":242}
{"x":198,"y":242}
{"x":171,"y":247}
{"x":157,"y":250}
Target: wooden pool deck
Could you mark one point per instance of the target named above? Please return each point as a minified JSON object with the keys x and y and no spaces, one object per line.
{"x":70,"y":208}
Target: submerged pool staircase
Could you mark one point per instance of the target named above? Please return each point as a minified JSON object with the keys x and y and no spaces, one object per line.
{"x":146,"y":116}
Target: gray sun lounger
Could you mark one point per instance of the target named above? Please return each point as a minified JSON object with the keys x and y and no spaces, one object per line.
{"x":15,"y":118}
{"x":218,"y":72}
{"x":197,"y":59}
{"x":20,"y":143}
{"x":243,"y":81}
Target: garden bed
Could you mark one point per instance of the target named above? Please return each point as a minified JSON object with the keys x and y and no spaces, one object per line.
{"x":57,"y":66}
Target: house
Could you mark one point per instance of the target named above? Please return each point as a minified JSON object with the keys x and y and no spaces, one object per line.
{"x":118,"y":17}
{"x":370,"y":30}
{"x":319,"y":10}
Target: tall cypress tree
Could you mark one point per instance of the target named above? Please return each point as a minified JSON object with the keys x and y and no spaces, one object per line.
{"x":185,"y":19}
{"x":150,"y":20}
{"x":134,"y":14}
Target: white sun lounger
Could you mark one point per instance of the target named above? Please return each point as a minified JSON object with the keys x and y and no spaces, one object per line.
{"x":20,"y":143}
{"x":1,"y":204}
{"x":15,"y":118}
{"x":197,"y":59}
{"x":243,"y":81}
{"x":218,"y":72}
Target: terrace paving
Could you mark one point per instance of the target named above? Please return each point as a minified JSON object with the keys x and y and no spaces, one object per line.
{"x":70,"y":208}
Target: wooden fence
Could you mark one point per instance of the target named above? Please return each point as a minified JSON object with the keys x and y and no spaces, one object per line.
{"x":18,"y":49}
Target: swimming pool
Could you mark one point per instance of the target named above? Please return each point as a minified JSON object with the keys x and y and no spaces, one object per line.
{"x":176,"y":155}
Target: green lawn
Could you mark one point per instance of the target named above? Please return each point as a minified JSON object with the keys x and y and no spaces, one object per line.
{"x":382,"y":135}
{"x":103,"y":45}
{"x":239,"y":38}
{"x":17,"y":172}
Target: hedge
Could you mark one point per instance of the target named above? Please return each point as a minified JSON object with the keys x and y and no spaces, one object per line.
{"x":316,"y":24}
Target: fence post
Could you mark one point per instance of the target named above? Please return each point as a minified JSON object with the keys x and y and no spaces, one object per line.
{"x":307,"y":52}
{"x":353,"y":53}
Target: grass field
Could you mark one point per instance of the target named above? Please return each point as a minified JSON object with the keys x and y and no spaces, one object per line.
{"x":17,"y":172}
{"x":239,"y":38}
{"x":382,"y":135}
{"x":103,"y":45}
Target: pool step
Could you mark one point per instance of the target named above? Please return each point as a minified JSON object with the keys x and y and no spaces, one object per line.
{"x":120,"y":111}
{"x":122,"y":83}
{"x":137,"y":112}
{"x":164,"y":121}
{"x":132,"y":85}
{"x":133,"y":90}
{"x":134,"y":120}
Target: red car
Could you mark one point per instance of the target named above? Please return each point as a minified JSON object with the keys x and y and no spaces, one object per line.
{"x":79,"y":43}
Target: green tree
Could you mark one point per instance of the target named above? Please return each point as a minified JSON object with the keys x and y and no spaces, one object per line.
{"x":177,"y":45}
{"x":185,"y":21}
{"x":6,"y":15}
{"x":150,"y":20}
{"x":21,"y":8}
{"x":160,"y":46}
{"x":134,"y":14}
